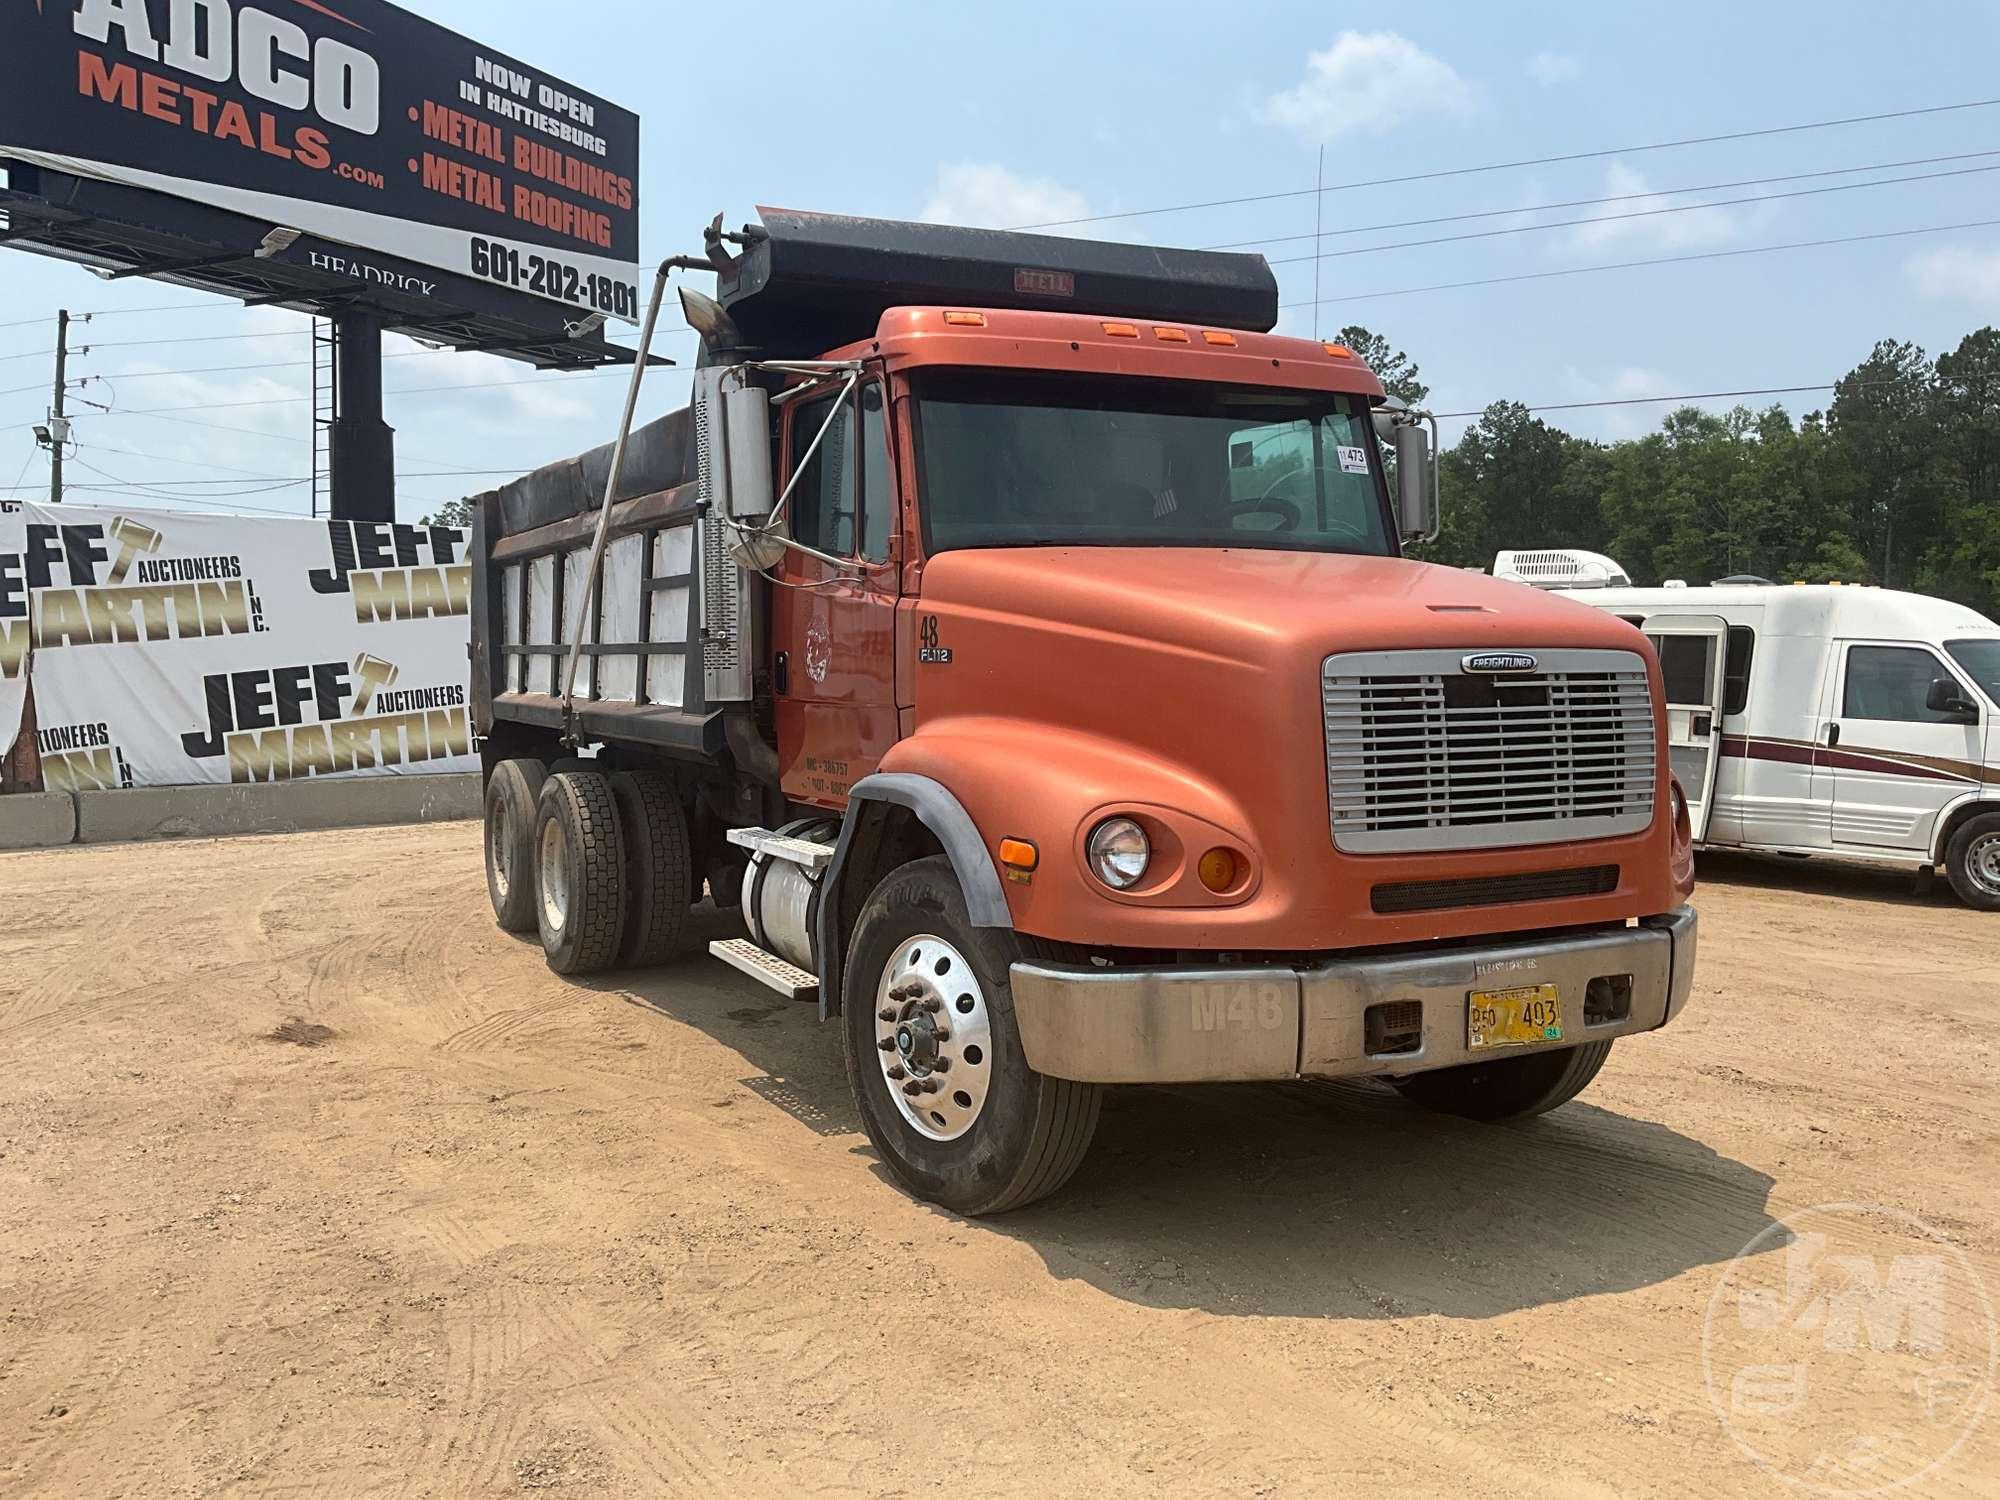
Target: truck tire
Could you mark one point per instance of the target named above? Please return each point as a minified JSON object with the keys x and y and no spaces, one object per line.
{"x":1507,"y":1088}
{"x":579,"y":873}
{"x":513,"y":792}
{"x":1972,"y":861}
{"x":659,"y":867}
{"x":992,"y":1133}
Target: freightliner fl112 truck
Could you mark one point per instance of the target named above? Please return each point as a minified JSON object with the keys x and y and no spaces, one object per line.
{"x":1021,"y":634}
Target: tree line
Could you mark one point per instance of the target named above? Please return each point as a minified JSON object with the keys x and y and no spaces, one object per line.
{"x":1895,"y":482}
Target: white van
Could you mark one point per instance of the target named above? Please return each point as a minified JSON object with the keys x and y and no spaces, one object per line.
{"x":1829,"y":719}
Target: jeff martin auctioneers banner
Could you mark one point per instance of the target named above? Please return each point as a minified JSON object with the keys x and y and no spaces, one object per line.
{"x":167,"y":648}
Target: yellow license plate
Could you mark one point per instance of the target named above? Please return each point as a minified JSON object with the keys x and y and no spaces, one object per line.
{"x":1513,"y":1018}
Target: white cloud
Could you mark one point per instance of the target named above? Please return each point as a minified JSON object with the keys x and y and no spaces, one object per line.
{"x":1367,"y":81}
{"x":986,"y":195}
{"x":1957,"y":273}
{"x":1551,"y":68}
{"x":1613,"y":227}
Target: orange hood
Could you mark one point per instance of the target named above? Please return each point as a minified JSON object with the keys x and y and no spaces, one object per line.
{"x":1075,"y":680}
{"x":1246,"y":602}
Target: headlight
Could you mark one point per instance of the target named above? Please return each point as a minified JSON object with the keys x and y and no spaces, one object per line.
{"x":1118,"y":853}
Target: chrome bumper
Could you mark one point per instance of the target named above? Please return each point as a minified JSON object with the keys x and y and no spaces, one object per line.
{"x":1189,"y":1025}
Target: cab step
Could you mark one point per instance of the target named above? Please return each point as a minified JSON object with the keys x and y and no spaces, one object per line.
{"x":769,"y":970}
{"x":815,"y":857}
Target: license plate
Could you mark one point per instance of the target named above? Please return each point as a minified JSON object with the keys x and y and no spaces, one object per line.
{"x":1521,"y":1017}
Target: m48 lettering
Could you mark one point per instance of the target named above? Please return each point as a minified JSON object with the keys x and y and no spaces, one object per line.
{"x":1244,"y":1007}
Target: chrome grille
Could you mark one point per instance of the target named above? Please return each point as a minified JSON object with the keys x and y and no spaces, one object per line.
{"x":1421,"y":755}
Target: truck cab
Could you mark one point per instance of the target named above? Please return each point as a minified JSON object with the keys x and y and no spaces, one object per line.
{"x":1021,"y":632}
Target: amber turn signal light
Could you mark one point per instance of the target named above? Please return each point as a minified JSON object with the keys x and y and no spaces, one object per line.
{"x":1218,"y":870}
{"x":965,"y":319}
{"x":1018,"y":854}
{"x":1338,"y":351}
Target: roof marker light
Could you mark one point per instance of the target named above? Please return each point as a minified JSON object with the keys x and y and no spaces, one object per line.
{"x":1226,"y":340}
{"x":1171,"y":335}
{"x":1338,"y":351}
{"x":965,"y":319}
{"x":1121,"y":330}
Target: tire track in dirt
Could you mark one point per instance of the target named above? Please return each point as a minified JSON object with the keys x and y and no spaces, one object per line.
{"x":496,"y":1028}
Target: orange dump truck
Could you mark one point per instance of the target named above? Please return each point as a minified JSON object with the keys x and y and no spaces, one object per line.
{"x":1021,"y":634}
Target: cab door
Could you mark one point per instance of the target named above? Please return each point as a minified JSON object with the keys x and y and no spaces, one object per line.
{"x":833,"y":660}
{"x":1693,"y":652}
{"x":1895,"y":762}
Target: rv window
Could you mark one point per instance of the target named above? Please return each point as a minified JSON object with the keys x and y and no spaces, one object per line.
{"x":1890,"y":682}
{"x":1981,"y":660}
{"x":1684,"y":662}
{"x":1736,"y":671}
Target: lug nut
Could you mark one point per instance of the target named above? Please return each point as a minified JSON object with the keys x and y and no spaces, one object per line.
{"x":933,"y":1004}
{"x":913,"y":1088}
{"x":895,"y":1070}
{"x":887,"y":1044}
{"x":939,"y":1034}
{"x":941,"y":1065}
{"x":931,"y":1085}
{"x":886,"y":1013}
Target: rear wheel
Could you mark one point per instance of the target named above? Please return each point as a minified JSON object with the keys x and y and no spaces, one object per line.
{"x":935,"y":1062}
{"x":1507,"y":1088}
{"x":512,"y":793}
{"x":659,"y":866}
{"x":1972,"y":860}
{"x":579,"y":873}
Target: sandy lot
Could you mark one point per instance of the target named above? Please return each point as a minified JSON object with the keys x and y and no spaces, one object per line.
{"x":314,"y":1183}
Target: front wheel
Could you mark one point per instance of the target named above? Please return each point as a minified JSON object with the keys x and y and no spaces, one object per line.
{"x":1507,"y":1088}
{"x":935,"y":1062}
{"x":1972,"y":860}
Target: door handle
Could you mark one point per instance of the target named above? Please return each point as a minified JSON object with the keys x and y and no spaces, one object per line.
{"x":1833,"y":734}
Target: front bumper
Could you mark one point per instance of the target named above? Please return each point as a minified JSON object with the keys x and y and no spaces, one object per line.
{"x":1212,"y":1024}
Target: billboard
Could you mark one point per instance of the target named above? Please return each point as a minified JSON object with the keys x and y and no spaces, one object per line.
{"x":167,"y":648}
{"x":352,"y":121}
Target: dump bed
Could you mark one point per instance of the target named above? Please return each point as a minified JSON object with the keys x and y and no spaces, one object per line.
{"x":657,"y":645}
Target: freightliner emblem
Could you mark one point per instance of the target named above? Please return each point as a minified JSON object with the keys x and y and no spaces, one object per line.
{"x":1500,"y":661}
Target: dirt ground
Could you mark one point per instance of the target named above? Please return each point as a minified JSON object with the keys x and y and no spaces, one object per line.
{"x":314,"y":1183}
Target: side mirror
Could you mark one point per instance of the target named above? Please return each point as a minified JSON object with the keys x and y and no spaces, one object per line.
{"x":1413,"y":482}
{"x":747,"y":432}
{"x":1944,"y":697}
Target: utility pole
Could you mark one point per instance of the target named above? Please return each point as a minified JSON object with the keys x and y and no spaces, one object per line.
{"x":58,"y":423}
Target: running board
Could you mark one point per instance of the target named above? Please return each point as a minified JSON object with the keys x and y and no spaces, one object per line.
{"x":815,"y":857}
{"x":767,"y":969}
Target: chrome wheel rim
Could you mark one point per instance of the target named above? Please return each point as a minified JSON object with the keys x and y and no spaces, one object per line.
{"x":503,"y":850}
{"x":1982,"y":863}
{"x":554,"y":865}
{"x":934,"y":1037}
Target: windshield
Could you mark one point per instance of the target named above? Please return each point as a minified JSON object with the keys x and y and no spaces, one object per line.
{"x":1013,"y":460}
{"x":1981,"y":661}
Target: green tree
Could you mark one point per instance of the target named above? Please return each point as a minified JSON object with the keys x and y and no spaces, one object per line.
{"x":1395,"y":369}
{"x":451,"y":513}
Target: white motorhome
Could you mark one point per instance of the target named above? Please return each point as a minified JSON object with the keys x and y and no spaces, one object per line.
{"x":1828,"y":719}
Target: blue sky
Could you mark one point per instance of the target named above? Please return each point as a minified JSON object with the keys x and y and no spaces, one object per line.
{"x":1020,"y":113}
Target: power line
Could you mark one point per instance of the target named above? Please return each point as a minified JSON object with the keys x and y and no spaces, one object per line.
{"x":281,"y":482}
{"x":1661,"y":260}
{"x":1535,"y":208}
{"x":191,"y":463}
{"x":1507,"y":166}
{"x":419,"y":390}
{"x":31,"y":354}
{"x":1637,"y":213}
{"x":1765,"y":390}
